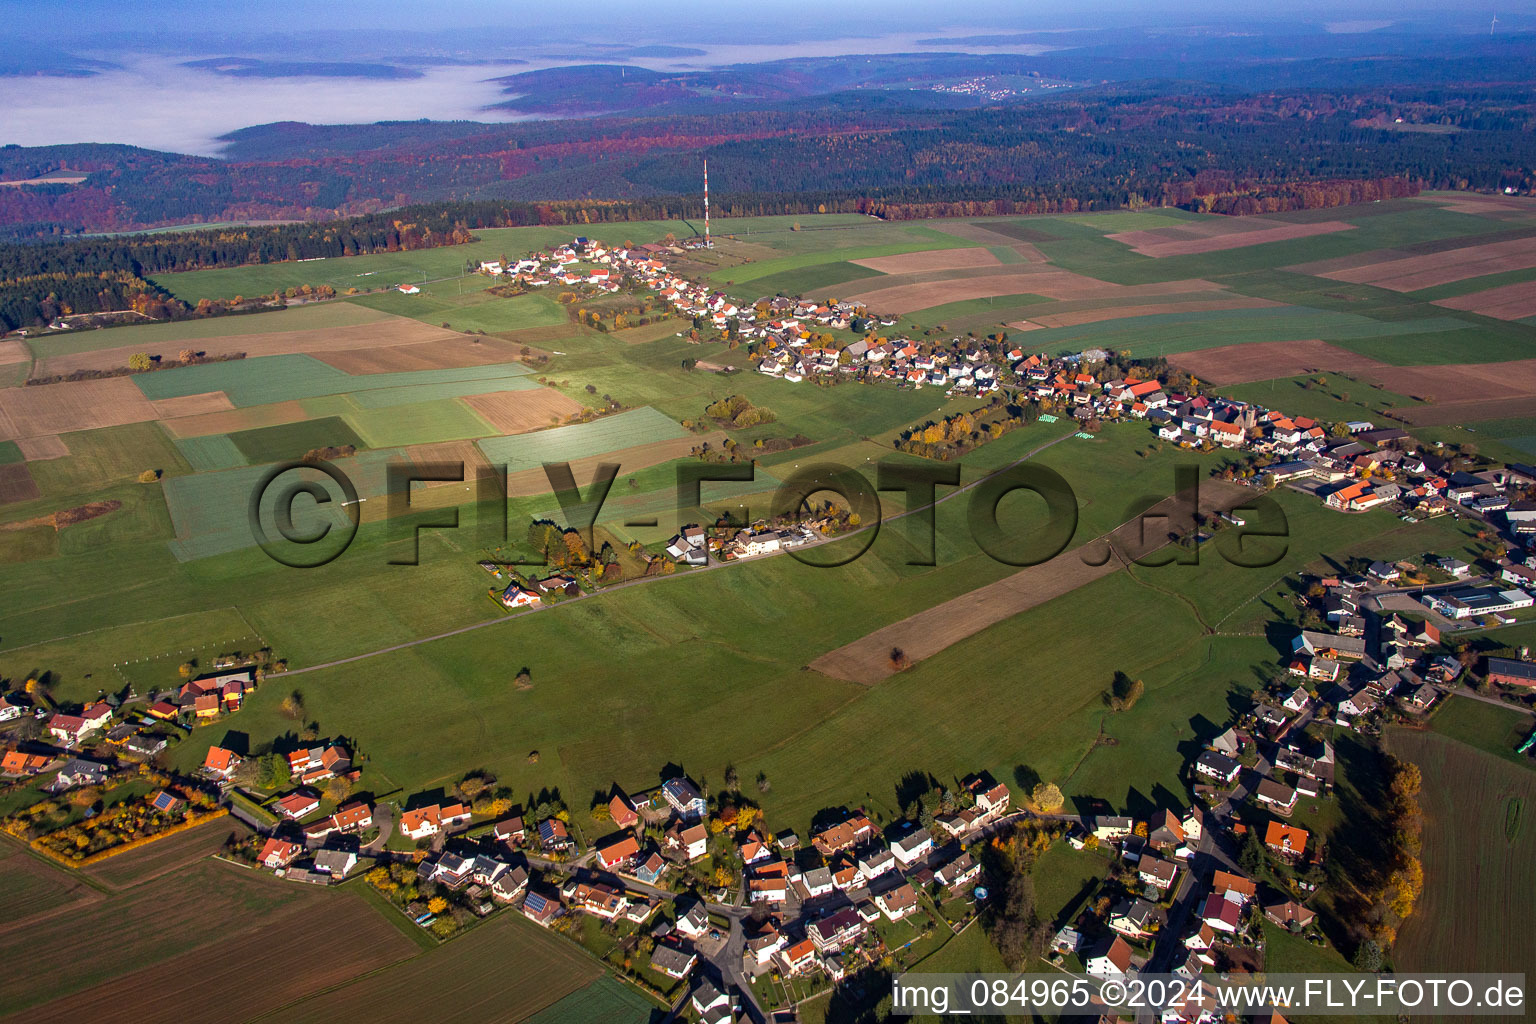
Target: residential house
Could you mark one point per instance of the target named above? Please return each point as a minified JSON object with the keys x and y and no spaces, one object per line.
{"x":14,"y":762}
{"x":71,"y":729}
{"x":554,"y":836}
{"x":221,"y":763}
{"x":1155,"y":871}
{"x":913,"y":847}
{"x":510,"y":883}
{"x":1286,"y":840}
{"x":1164,"y":831}
{"x":1279,"y":798}
{"x":684,"y":798}
{"x":673,"y":962}
{"x":1135,"y":919}
{"x":297,"y":804}
{"x":1222,"y":914}
{"x":1112,"y":959}
{"x":540,"y":907}
{"x":898,"y":903}
{"x":279,"y":853}
{"x":336,"y":863}
{"x":1217,"y":766}
{"x":622,"y":811}
{"x":1289,"y":914}
{"x":798,"y":957}
{"x":958,"y":871}
{"x":838,"y":931}
{"x":353,"y":817}
{"x":693,"y":922}
{"x":874,"y":862}
{"x":617,"y":851}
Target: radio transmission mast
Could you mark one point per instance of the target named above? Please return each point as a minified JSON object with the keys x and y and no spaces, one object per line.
{"x":707,"y":243}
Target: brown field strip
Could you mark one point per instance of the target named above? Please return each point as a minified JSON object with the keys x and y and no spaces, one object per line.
{"x":867,"y":660}
{"x":12,"y":352}
{"x":1201,"y":238}
{"x":1089,"y":316}
{"x":445,"y":354}
{"x":192,"y":405}
{"x":36,"y":889}
{"x":464,"y":981}
{"x":231,"y":420}
{"x":257,"y":965}
{"x":41,"y":449}
{"x":1454,"y":414}
{"x":1476,"y":204}
{"x":137,"y":866}
{"x":386,"y":333}
{"x":1050,"y":282}
{"x":935,"y":259}
{"x":515,"y":412}
{"x":1511,"y":302}
{"x":79,"y":405}
{"x":1268,"y":360}
{"x":1412,"y":273}
{"x":1462,"y":382}
{"x":16,"y":484}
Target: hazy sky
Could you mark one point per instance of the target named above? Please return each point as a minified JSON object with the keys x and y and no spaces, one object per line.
{"x":73,"y":23}
{"x":150,"y":99}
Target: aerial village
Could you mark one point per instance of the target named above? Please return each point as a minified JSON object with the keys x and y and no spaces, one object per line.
{"x":692,"y":896}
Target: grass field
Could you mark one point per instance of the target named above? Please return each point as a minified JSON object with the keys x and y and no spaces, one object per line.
{"x":1477,"y":852}
{"x":606,"y":999}
{"x":270,"y":379}
{"x":292,"y":440}
{"x":566,"y":444}
{"x":1488,"y":727}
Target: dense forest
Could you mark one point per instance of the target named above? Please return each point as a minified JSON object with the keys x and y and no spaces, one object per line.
{"x":370,"y":188}
{"x":1114,"y":145}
